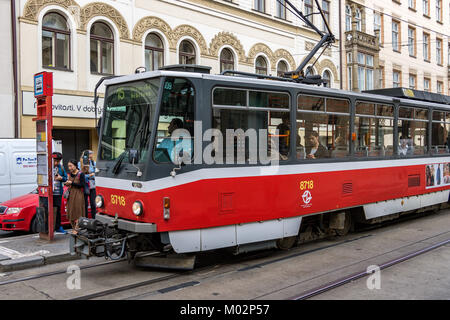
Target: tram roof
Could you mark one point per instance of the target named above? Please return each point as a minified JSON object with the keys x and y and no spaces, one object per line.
{"x":385,"y":95}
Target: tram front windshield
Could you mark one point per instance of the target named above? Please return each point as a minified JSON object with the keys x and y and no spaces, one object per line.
{"x":128,"y":115}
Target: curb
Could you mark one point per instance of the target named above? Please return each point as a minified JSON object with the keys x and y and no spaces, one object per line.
{"x":35,"y":261}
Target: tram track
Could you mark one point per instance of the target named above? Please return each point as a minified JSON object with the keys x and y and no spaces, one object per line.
{"x":361,"y":274}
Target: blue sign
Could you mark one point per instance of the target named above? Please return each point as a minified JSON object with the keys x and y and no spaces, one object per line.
{"x":38,"y":85}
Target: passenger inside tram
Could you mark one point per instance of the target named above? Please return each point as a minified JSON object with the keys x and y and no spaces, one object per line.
{"x":315,"y":149}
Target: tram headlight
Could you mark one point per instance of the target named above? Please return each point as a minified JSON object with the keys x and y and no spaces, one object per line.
{"x":99,"y":201}
{"x":137,"y":208}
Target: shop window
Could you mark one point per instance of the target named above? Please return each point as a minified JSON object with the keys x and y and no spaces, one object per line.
{"x":55,"y":41}
{"x":102,"y":49}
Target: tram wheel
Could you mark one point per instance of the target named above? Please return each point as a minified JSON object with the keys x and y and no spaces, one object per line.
{"x":348,"y":225}
{"x":286,"y":243}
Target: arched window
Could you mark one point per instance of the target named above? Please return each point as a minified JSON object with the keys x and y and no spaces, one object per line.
{"x":154,"y":52}
{"x":55,"y":41}
{"x":261,"y":65}
{"x":281,"y":68}
{"x":187,"y":52}
{"x":102,"y":49}
{"x":326,"y":76}
{"x":309,"y":71}
{"x":226,"y":60}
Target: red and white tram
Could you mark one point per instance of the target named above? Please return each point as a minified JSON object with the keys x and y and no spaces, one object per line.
{"x":342,"y":156}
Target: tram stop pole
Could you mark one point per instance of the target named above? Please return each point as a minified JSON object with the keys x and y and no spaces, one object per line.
{"x":43,"y":92}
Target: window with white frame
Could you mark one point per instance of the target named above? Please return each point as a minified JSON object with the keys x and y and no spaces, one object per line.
{"x":261,"y":65}
{"x":349,"y":71}
{"x":439,"y":87}
{"x":396,"y":79}
{"x":259,"y":5}
{"x":412,"y":81}
{"x":365,"y":71}
{"x":326,"y":13}
{"x":358,"y":19}
{"x":309,"y":10}
{"x":187,"y":52}
{"x":426,"y":7}
{"x":281,"y":9}
{"x":395,"y":35}
{"x":377,"y":25}
{"x":348,"y":18}
{"x":439,"y":10}
{"x":412,"y":41}
{"x":439,"y":55}
{"x":426,"y":84}
{"x":426,"y":47}
{"x":226,"y":60}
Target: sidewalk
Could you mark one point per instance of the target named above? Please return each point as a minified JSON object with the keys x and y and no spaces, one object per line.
{"x":30,"y":251}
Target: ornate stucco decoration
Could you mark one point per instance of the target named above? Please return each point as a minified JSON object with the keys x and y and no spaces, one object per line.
{"x":186,"y":30}
{"x":148,"y":23}
{"x":33,"y":7}
{"x":284,"y":54}
{"x":102,"y":9}
{"x":261,"y":48}
{"x":226,"y":38}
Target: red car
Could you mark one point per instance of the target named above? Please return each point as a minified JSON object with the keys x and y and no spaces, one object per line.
{"x":19,"y":214}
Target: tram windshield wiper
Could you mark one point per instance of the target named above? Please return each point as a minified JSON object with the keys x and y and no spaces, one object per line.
{"x":119,"y":160}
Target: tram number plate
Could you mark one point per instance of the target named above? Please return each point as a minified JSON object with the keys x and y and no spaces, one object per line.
{"x":306,"y":184}
{"x":118,"y":200}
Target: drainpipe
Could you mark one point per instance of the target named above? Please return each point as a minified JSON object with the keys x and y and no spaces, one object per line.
{"x":340,"y":45}
{"x":14,"y":47}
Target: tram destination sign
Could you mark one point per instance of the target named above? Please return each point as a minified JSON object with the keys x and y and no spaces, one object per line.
{"x":67,"y":106}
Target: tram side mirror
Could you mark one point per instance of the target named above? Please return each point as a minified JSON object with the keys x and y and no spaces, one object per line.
{"x":133,"y":156}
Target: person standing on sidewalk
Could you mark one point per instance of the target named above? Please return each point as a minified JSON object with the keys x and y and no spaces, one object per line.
{"x":91,"y":193}
{"x":75,"y":202}
{"x":59,"y":177}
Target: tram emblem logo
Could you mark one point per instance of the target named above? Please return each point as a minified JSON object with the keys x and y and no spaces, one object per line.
{"x":307,"y":197}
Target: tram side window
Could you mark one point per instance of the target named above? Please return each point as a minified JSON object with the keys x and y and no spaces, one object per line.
{"x":177,"y":112}
{"x":412,"y":131}
{"x":323,"y":126}
{"x":440,"y":132}
{"x":247,"y":115}
{"x":374,"y":126}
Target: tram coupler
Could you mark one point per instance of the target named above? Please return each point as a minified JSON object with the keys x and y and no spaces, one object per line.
{"x":96,"y":239}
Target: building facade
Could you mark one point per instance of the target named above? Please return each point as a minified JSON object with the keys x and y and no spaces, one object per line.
{"x":81,"y":41}
{"x":7,"y":129}
{"x":395,"y":43}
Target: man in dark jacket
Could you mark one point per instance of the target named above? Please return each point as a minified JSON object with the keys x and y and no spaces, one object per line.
{"x":315,"y":149}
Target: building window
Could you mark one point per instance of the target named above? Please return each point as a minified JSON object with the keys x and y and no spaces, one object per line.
{"x":395,"y":35}
{"x":226,"y":60}
{"x":154,"y":52}
{"x":439,"y":56}
{"x":440,"y":87}
{"x":426,"y":84}
{"x":365,"y":71}
{"x":326,"y":76}
{"x":349,"y":71}
{"x":412,"y":4}
{"x":348,"y":18}
{"x":439,"y":10}
{"x":381,"y":78}
{"x":261,"y":65}
{"x":358,"y":19}
{"x":426,"y":7}
{"x":281,"y":9}
{"x":281,"y":68}
{"x":426,"y":47}
{"x":55,"y":41}
{"x":396,"y":79}
{"x":309,"y":71}
{"x":187,"y":52}
{"x":259,"y":5}
{"x":378,"y":25}
{"x":326,"y":13}
{"x":412,"y":41}
{"x":309,"y":10}
{"x":102,"y":49}
{"x":412,"y":81}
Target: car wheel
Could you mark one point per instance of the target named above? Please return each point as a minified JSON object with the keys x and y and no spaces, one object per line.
{"x":34,"y":225}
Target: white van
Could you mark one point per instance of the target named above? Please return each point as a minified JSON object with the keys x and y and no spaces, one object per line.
{"x":17,"y":167}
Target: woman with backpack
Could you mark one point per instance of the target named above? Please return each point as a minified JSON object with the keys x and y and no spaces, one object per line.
{"x":75,"y":201}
